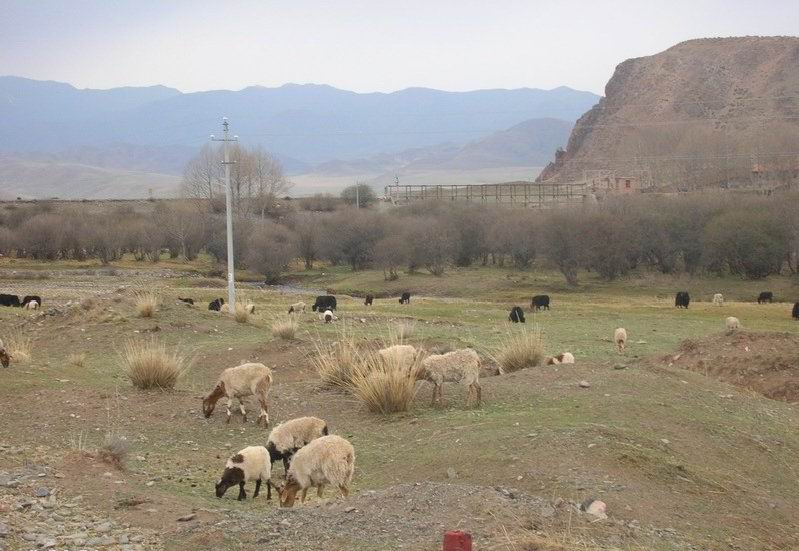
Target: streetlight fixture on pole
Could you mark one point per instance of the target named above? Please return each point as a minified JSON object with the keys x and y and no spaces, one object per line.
{"x":231,"y":288}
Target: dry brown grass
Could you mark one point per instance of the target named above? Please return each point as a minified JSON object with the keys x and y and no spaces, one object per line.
{"x":18,"y":345}
{"x":77,"y":359}
{"x":114,"y":450}
{"x":285,"y":329}
{"x":148,"y":364}
{"x":401,"y":331}
{"x":88,"y":303}
{"x":240,"y":313}
{"x":383,"y":385}
{"x":520,"y":350}
{"x":146,"y":304}
{"x":335,"y":363}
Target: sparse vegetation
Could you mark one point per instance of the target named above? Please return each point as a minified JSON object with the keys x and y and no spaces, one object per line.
{"x":383,"y":386}
{"x":148,"y":364}
{"x":114,"y":451}
{"x":520,"y":349}
{"x":285,"y":329}
{"x":146,"y":304}
{"x":77,"y":359}
{"x":18,"y":345}
{"x":401,"y":331}
{"x":336,"y":362}
{"x":240,"y":313}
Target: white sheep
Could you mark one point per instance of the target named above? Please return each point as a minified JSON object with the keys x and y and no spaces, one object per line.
{"x":224,"y":309}
{"x":326,"y":460}
{"x":718,"y":299}
{"x":297,"y":307}
{"x":251,"y":463}
{"x":328,"y":316}
{"x":251,"y":379}
{"x":732,"y":325}
{"x":249,"y":308}
{"x":562,"y":358}
{"x":5,"y":357}
{"x":32,"y":305}
{"x":620,"y":338}
{"x":399,"y":355}
{"x":286,"y":438}
{"x":461,"y":366}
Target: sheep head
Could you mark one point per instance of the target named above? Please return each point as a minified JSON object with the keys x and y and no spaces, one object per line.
{"x":209,"y":402}
{"x":232,"y":476}
{"x":288,"y":492}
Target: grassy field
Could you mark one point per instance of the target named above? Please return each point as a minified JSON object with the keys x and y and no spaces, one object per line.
{"x":682,"y":460}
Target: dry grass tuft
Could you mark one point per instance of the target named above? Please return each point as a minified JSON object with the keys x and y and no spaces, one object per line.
{"x":383,"y":386}
{"x":401,"y":331}
{"x":148,"y":364}
{"x":146,"y":304}
{"x":77,"y":359}
{"x":335,"y":363}
{"x":114,"y":451}
{"x":520,"y":350}
{"x":18,"y":345}
{"x":240,"y":313}
{"x":88,"y":303}
{"x":285,"y":329}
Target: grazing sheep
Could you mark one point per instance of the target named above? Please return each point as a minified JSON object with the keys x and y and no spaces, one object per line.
{"x":324,"y":302}
{"x":5,"y":358}
{"x":562,"y":358}
{"x":795,"y":313}
{"x":251,"y":379}
{"x":368,"y":300}
{"x":224,"y":309}
{"x":765,"y":296}
{"x":297,"y":307}
{"x":328,"y":316}
{"x":405,"y":298}
{"x":286,"y":438}
{"x":732,"y":325}
{"x":461,"y":366}
{"x":516,"y":315}
{"x":249,"y":308}
{"x":251,"y":463}
{"x":31,"y":298}
{"x":9,"y":300}
{"x":620,"y":338}
{"x":682,"y":299}
{"x":189,"y":301}
{"x":399,"y":355}
{"x":326,"y":460}
{"x":32,"y":305}
{"x":718,"y":299}
{"x":216,"y":304}
{"x":540,"y":302}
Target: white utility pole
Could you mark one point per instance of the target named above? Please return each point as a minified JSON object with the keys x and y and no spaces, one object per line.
{"x":231,"y":285}
{"x":357,"y":196}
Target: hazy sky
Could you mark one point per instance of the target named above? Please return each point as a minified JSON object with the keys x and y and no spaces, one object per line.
{"x":370,"y":45}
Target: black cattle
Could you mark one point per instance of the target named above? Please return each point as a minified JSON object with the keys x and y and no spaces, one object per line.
{"x":405,"y":298}
{"x":539,"y":302}
{"x":516,"y":315}
{"x":796,"y":311}
{"x":9,"y":300}
{"x":31,"y":298}
{"x":682,"y":299}
{"x":216,"y":304}
{"x":765,"y":296}
{"x":187,"y":300}
{"x":368,"y":300}
{"x":324,"y":302}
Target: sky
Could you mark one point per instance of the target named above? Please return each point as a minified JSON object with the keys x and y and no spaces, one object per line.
{"x":365,"y":46}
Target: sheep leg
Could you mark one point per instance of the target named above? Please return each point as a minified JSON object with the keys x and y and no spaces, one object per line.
{"x":435,"y":391}
{"x":285,"y":466}
{"x":268,"y":489}
{"x":304,"y":493}
{"x":241,"y":409}
{"x":479,"y":394}
{"x":344,"y":490}
{"x":227,"y":410}
{"x":242,"y":493}
{"x":257,"y":488}
{"x":319,"y":491}
{"x":264,"y":412}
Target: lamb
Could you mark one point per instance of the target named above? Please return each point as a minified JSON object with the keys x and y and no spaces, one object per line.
{"x":32,"y":305}
{"x":620,"y":338}
{"x":562,"y":358}
{"x":216,"y":304}
{"x":5,"y":357}
{"x":718,"y":299}
{"x":516,"y":315}
{"x":286,"y":438}
{"x":765,"y":296}
{"x":405,"y":298}
{"x":399,"y":355}
{"x":297,"y":307}
{"x":326,"y":460}
{"x":368,"y":300}
{"x":30,"y":298}
{"x":732,"y":325}
{"x":251,"y":463}
{"x":682,"y":299}
{"x":539,"y":302}
{"x":250,"y":379}
{"x":457,"y":366}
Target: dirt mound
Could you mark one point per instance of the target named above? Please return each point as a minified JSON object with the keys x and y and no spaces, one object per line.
{"x":767,"y":363}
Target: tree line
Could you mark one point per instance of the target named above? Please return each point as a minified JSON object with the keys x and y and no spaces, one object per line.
{"x":749,"y":236}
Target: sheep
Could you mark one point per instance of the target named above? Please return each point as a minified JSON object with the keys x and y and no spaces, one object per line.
{"x":249,"y":308}
{"x":682,"y":299}
{"x":718,"y":299}
{"x":5,"y":357}
{"x":795,"y":312}
{"x":539,"y":302}
{"x":216,"y":304}
{"x":620,"y":338}
{"x":765,"y":296}
{"x":326,"y":460}
{"x":32,"y":305}
{"x":562,"y":358}
{"x":399,"y":355}
{"x":251,"y":463}
{"x":457,"y":366}
{"x":516,"y":315}
{"x":250,"y":379}
{"x":9,"y":300}
{"x":297,"y":307}
{"x":732,"y":325}
{"x":328,"y":316}
{"x":224,"y":309}
{"x":286,"y":438}
{"x":405,"y":298}
{"x":30,"y":298}
{"x":368,"y":300}
{"x":324,"y":302}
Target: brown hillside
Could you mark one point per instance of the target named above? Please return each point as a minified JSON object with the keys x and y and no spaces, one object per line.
{"x":703,"y":112}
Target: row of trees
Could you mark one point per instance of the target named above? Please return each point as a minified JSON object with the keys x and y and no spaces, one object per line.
{"x":748,"y":236}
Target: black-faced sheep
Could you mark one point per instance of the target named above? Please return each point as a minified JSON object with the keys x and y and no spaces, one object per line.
{"x":620,"y":338}
{"x":540,"y":302}
{"x":216,"y":304}
{"x":251,"y":379}
{"x":251,"y":463}
{"x":31,"y":298}
{"x":189,"y":301}
{"x":324,"y":302}
{"x":9,"y":300}
{"x":326,"y":460}
{"x":5,"y":358}
{"x":329,"y":316}
{"x":682,"y":299}
{"x":459,"y":366}
{"x":795,"y":313}
{"x":718,"y":299}
{"x":516,"y":315}
{"x":286,"y":438}
{"x":765,"y":296}
{"x":405,"y":298}
{"x":368,"y":300}
{"x":297,"y":307}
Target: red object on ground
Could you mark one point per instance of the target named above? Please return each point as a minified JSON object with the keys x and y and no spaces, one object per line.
{"x":457,"y":541}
